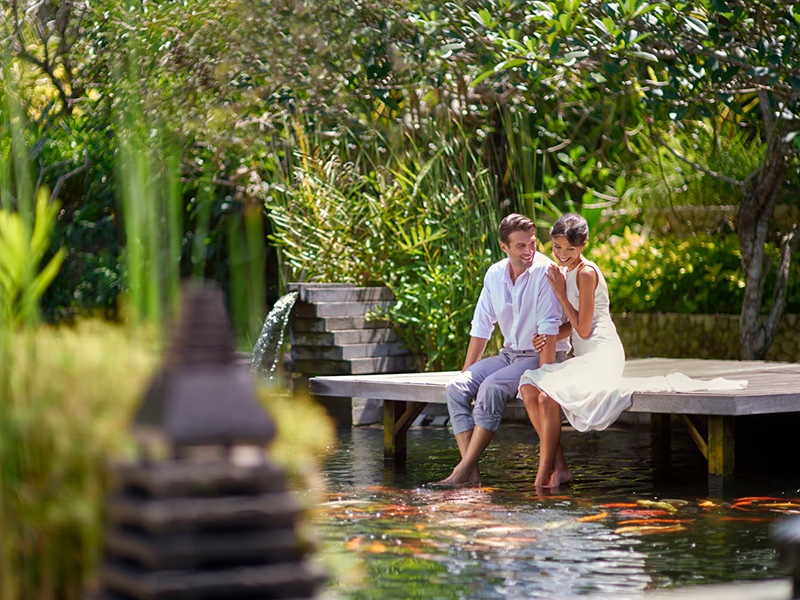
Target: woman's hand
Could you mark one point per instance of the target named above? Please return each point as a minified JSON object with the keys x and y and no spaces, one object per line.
{"x":538,"y":341}
{"x":557,"y":281}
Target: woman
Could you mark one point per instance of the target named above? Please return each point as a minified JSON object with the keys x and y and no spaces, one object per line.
{"x":587,"y":386}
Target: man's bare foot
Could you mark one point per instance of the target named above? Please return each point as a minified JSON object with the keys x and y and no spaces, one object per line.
{"x":461,"y":477}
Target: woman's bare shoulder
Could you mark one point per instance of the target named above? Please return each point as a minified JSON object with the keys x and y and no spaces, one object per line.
{"x":587,"y":275}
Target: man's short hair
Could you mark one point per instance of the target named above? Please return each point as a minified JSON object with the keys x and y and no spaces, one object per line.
{"x":515,"y":222}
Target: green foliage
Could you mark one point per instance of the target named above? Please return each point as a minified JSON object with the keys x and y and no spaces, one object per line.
{"x":665,"y":180}
{"x":700,"y":274}
{"x":424,"y":226}
{"x":22,"y":283}
{"x":59,"y":423}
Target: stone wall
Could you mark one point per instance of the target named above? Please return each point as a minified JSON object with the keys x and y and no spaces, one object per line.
{"x":671,"y":335}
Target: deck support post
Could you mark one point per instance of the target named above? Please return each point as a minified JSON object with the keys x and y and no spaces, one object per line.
{"x":660,"y":440}
{"x":721,"y":457}
{"x":394,"y":438}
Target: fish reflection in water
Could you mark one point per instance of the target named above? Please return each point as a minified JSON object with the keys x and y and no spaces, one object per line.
{"x":614,"y":532}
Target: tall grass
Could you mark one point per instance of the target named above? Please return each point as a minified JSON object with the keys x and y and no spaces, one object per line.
{"x":148,"y":175}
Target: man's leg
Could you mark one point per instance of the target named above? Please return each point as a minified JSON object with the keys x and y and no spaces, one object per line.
{"x":496,"y":390}
{"x":463,"y":389}
{"x":490,"y":404}
{"x":460,"y":393}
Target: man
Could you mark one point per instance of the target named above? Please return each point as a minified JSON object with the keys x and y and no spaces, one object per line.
{"x":516,"y":296}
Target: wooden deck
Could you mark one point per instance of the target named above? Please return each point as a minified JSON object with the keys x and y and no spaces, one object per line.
{"x":710,"y":416}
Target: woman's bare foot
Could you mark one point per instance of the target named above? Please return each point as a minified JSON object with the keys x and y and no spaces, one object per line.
{"x":559,"y":478}
{"x":542,"y":479}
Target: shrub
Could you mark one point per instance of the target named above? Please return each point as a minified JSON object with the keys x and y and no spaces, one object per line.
{"x":700,"y":274}
{"x":425,"y":226}
{"x":66,"y":397}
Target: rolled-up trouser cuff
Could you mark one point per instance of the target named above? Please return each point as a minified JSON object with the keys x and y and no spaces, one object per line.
{"x":490,"y":406}
{"x":459,"y":405}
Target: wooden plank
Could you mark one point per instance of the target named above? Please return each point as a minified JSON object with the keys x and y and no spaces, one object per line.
{"x":772,"y":388}
{"x":414,"y":387}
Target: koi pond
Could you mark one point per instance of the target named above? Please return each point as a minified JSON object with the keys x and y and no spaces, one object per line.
{"x":618,"y":529}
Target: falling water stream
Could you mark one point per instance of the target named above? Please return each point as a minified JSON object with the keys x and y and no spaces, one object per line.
{"x":267,"y":349}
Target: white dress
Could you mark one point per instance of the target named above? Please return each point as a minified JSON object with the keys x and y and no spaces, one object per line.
{"x":590,"y":387}
{"x":587,"y":386}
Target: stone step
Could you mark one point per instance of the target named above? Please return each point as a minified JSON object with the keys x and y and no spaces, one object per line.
{"x":355,"y":366}
{"x":349,"y":336}
{"x":257,"y":581}
{"x":337,"y":309}
{"x":323,"y":324}
{"x":199,"y":477}
{"x":198,"y":550}
{"x":346,"y":352}
{"x":177,"y":515}
{"x":338,"y":292}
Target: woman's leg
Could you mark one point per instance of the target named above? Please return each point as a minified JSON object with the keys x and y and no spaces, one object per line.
{"x":530,"y":398}
{"x":553,"y":469}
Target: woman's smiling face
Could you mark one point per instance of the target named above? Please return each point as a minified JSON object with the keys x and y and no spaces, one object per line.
{"x":566,"y":255}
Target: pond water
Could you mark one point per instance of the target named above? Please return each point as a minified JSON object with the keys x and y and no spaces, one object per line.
{"x":618,"y":529}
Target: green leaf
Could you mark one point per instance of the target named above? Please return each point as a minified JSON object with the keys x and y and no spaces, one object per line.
{"x":46,"y":275}
{"x":643,"y":9}
{"x":791,"y":136}
{"x":482,"y":76}
{"x":510,"y":64}
{"x":643,"y":55}
{"x":720,"y":5}
{"x":483,"y":16}
{"x":697,"y":25}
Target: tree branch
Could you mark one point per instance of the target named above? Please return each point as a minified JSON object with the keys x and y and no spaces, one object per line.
{"x":65,"y":176}
{"x":657,"y":138}
{"x":789,"y":244}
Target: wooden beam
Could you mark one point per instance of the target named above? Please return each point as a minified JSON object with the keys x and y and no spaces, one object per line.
{"x":407,"y":418}
{"x":696,"y":435}
{"x":720,"y":445}
{"x":394,"y":444}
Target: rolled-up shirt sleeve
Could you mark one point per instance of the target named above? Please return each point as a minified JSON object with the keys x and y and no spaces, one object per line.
{"x":549,"y":312}
{"x":484,"y":318}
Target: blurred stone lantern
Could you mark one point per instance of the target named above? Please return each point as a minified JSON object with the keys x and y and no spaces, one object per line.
{"x":203,"y":520}
{"x":786,"y":538}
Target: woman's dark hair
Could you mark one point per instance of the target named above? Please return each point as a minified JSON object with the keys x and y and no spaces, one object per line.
{"x":573,"y":227}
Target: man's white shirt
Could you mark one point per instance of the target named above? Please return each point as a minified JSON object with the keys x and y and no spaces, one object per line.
{"x":522,"y":309}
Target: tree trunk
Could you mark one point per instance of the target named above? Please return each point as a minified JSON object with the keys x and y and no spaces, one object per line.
{"x":760,"y":196}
